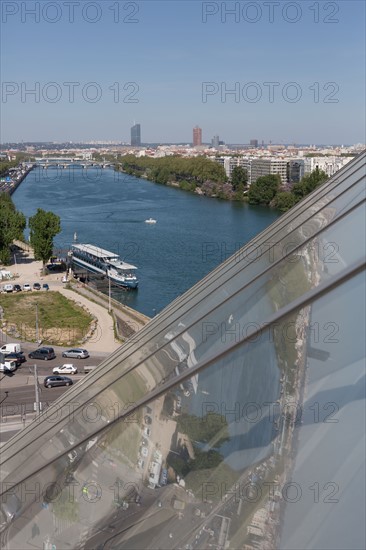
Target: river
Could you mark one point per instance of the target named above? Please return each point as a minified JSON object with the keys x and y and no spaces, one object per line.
{"x":192,"y":235}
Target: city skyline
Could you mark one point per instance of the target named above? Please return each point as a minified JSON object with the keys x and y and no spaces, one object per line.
{"x":282,"y":88}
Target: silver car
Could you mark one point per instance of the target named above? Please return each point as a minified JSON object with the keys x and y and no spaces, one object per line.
{"x":77,"y":353}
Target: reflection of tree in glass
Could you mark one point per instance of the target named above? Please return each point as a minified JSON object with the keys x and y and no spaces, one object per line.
{"x":65,"y":507}
{"x":168,"y":406}
{"x":211,"y":428}
{"x":203,"y":460}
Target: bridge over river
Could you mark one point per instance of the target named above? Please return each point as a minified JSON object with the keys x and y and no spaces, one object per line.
{"x":64,"y":162}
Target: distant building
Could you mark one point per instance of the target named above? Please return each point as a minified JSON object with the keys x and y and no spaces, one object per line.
{"x":215,"y":142}
{"x":229,"y":163}
{"x":264,"y":167}
{"x":296,"y":170}
{"x":197,"y":136}
{"x":136,"y":135}
{"x":254,"y":143}
{"x":330,"y":165}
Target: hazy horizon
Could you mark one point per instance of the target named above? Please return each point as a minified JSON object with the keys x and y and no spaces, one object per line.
{"x":289,"y":72}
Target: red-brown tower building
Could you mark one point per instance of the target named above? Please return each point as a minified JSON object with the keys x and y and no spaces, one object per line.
{"x":197,"y":136}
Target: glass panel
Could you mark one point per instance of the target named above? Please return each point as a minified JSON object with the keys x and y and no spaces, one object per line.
{"x":255,"y":444}
{"x":320,"y":259}
{"x":250,"y":444}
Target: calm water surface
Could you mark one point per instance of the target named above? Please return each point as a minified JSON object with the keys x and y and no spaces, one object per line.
{"x":191,"y":237}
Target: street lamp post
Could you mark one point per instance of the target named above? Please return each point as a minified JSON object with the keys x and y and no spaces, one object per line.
{"x":38,"y":407}
{"x":6,"y":396}
{"x":109,"y":294}
{"x":37,"y":335}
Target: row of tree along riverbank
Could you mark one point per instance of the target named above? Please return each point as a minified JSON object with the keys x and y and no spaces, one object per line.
{"x":44,"y":226}
{"x":206,"y":177}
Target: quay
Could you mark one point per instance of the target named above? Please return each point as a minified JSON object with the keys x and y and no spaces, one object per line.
{"x":9,"y":184}
{"x":115,"y":321}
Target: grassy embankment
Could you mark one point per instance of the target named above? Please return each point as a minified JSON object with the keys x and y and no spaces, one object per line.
{"x":60,"y":321}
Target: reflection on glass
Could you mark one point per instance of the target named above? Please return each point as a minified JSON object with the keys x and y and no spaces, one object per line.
{"x":239,"y":426}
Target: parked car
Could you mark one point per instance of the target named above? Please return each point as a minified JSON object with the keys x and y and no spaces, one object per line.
{"x":8,"y":366}
{"x":147,"y":431}
{"x":140,"y":463}
{"x":67,"y":368}
{"x":45,"y":353}
{"x":8,"y":288}
{"x":27,"y":287}
{"x":77,"y":353}
{"x":36,"y":286}
{"x":89,"y":368}
{"x":17,"y":288}
{"x":148,"y":419}
{"x":164,"y":476}
{"x":17,"y":357}
{"x":144,"y":451}
{"x":45,"y":286}
{"x":53,"y":381}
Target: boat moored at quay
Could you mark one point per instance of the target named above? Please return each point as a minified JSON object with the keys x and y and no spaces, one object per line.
{"x":102,"y":262}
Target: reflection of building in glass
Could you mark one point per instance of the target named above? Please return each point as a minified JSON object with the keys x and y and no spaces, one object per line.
{"x":219,"y":423}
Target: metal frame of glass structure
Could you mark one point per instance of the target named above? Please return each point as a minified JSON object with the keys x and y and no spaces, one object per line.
{"x":234,"y":419}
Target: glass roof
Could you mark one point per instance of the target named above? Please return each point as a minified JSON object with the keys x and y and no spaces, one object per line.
{"x":234,"y":419}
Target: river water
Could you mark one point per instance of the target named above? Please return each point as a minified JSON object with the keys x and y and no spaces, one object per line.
{"x":192,"y":235}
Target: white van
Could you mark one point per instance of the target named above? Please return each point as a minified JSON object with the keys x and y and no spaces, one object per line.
{"x":10,"y":348}
{"x":8,"y":366}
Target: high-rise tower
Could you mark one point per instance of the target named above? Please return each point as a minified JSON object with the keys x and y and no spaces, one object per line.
{"x":136,"y":135}
{"x":197,"y":136}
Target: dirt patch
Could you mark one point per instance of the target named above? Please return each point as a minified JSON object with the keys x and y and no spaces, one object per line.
{"x":46,"y":316}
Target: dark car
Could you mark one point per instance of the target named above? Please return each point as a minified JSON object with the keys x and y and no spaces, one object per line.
{"x":45,"y":353}
{"x":45,"y":286}
{"x":53,"y":381}
{"x":147,"y":419}
{"x":17,"y":288}
{"x":36,"y":286}
{"x":17,"y":357}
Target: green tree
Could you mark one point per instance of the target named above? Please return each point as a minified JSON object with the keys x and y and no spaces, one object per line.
{"x":284,"y":201}
{"x":205,"y":459}
{"x":44,"y":226}
{"x":239,"y":178}
{"x":211,"y":428}
{"x":12,"y":225}
{"x":264,"y":189}
{"x":309,"y":183}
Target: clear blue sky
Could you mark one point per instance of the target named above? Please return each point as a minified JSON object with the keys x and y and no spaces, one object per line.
{"x":168,"y":51}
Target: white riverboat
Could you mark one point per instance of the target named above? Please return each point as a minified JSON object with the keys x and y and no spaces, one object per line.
{"x":100,"y":261}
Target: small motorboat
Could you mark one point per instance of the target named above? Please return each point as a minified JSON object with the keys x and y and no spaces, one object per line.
{"x":150,"y":220}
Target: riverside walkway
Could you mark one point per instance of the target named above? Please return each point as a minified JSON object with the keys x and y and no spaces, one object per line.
{"x":120,"y":320}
